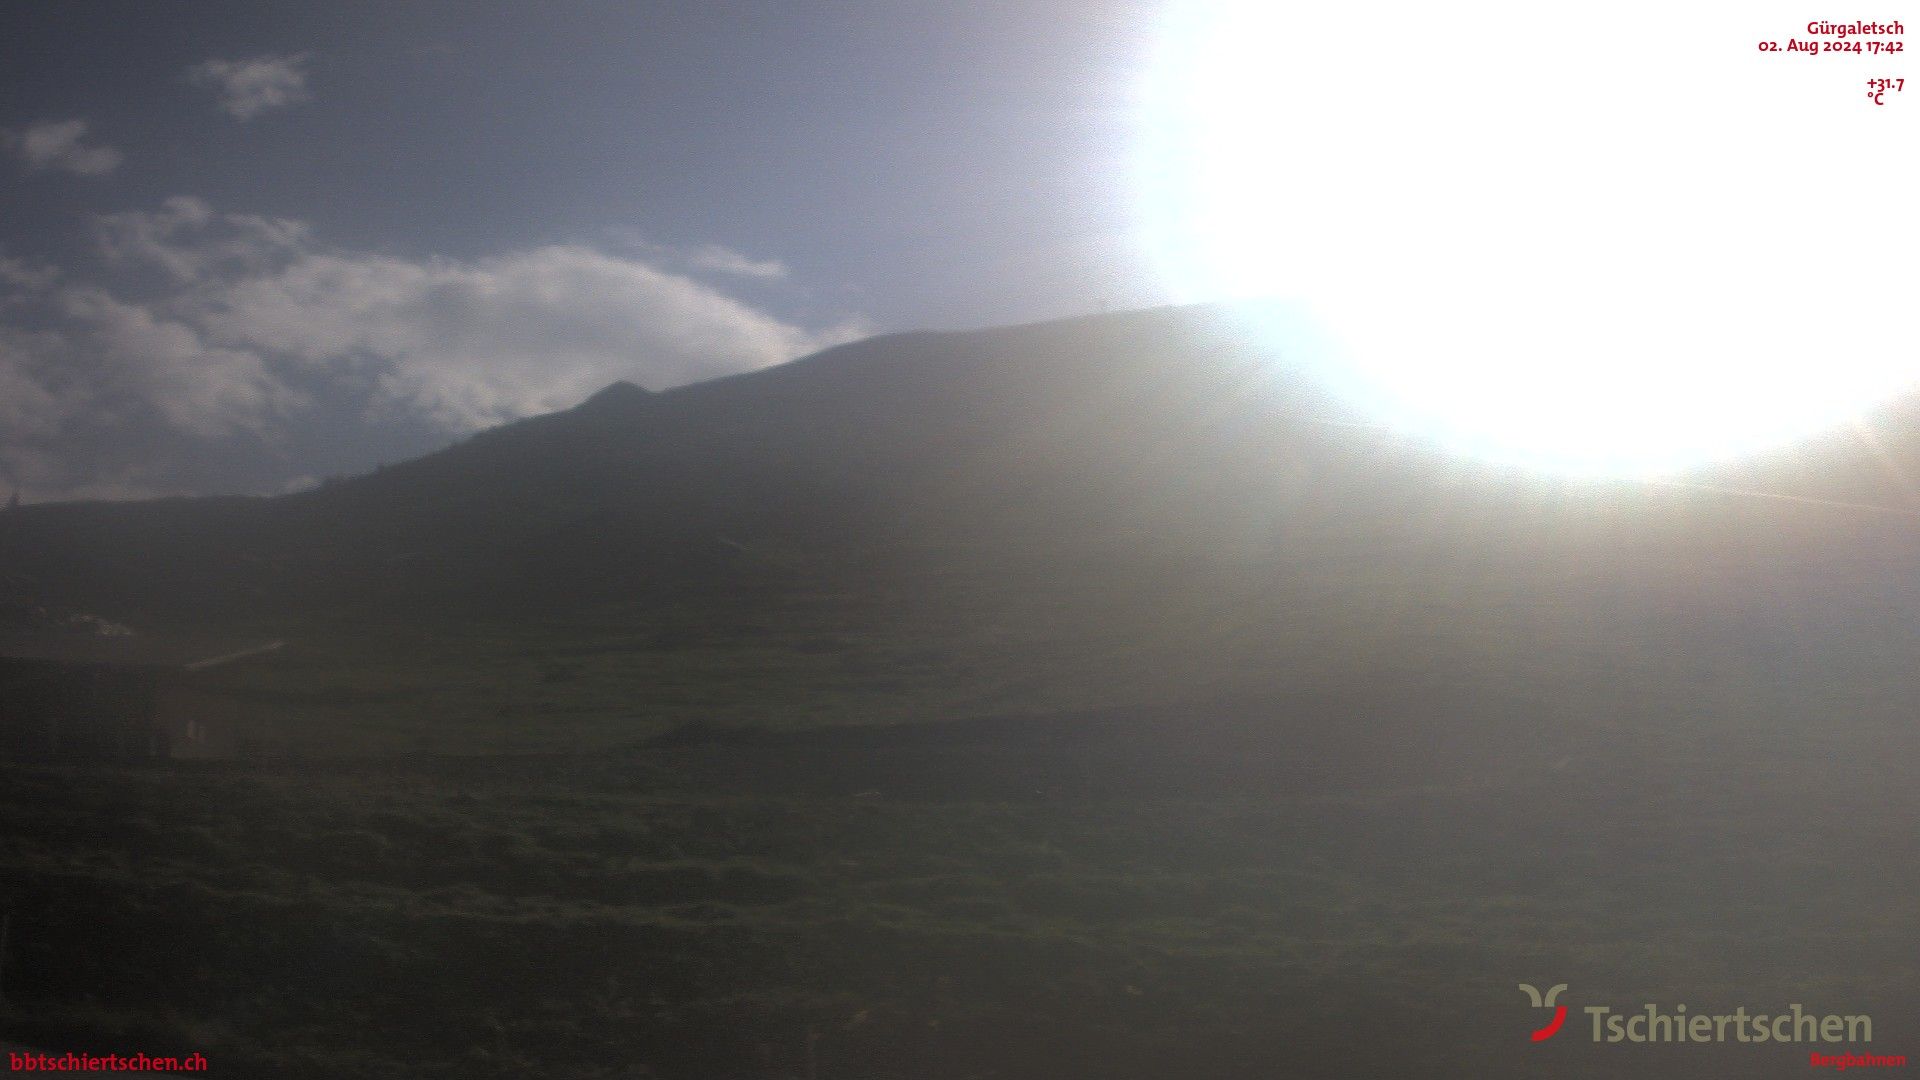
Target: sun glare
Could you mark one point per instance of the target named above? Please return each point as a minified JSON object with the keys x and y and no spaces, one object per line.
{"x":1620,"y":239}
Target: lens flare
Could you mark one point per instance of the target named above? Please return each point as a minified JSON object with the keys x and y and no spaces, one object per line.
{"x":1620,"y":241}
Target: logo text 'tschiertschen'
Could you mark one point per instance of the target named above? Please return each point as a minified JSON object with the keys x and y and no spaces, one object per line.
{"x":1651,"y":1024}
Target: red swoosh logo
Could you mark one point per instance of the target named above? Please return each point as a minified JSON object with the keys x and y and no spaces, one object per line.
{"x":1559,"y":1017}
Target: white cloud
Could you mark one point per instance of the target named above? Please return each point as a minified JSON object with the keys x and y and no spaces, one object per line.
{"x":195,"y":387}
{"x":29,"y":405}
{"x":726,"y":261}
{"x":59,"y":146}
{"x":112,"y":362}
{"x":250,"y":87}
{"x":703,"y":258}
{"x":188,"y":240}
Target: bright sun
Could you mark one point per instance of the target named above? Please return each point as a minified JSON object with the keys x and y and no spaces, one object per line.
{"x":1612,"y":239}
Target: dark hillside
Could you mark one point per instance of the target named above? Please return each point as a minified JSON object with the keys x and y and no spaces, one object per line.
{"x":1154,"y":505}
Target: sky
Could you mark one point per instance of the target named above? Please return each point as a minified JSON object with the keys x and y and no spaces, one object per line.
{"x":247,"y":246}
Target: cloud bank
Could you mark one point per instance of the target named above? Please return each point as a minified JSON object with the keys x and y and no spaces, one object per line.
{"x":244,"y":321}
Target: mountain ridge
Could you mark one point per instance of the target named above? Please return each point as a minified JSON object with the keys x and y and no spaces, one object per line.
{"x":1096,"y":449}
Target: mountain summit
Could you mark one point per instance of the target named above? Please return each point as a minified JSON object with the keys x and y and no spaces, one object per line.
{"x":619,"y":395}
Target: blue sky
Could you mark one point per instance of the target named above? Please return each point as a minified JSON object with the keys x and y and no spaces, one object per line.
{"x":246,"y":245}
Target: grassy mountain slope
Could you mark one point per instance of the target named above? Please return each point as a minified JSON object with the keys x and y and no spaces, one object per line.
{"x":1154,"y":506}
